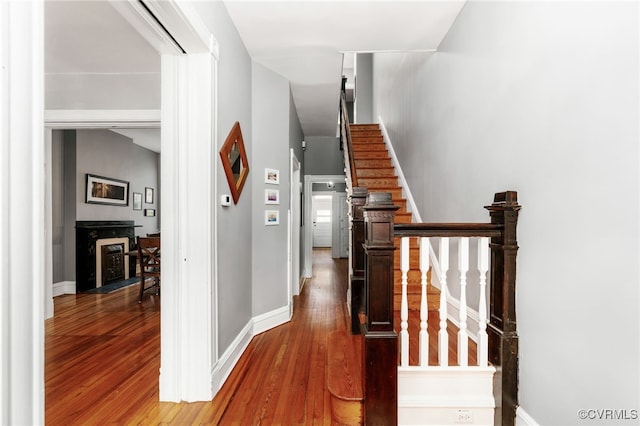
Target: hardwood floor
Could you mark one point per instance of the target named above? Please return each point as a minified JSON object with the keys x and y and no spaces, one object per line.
{"x":102,"y":355}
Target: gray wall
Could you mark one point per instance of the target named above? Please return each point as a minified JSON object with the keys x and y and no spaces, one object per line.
{"x":363,"y":102}
{"x":323,"y":156}
{"x":109,"y":154}
{"x":234,"y":234}
{"x":57,"y":207}
{"x":541,"y":98}
{"x":271,"y":101}
{"x":103,"y":153}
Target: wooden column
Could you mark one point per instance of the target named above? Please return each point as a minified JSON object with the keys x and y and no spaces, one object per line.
{"x":380,"y":340}
{"x":503,"y":336}
{"x":356,"y":279}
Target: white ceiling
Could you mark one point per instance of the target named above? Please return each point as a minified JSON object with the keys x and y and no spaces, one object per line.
{"x":89,"y":47}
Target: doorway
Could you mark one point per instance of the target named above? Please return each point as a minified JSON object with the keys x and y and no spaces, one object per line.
{"x":322,"y":212}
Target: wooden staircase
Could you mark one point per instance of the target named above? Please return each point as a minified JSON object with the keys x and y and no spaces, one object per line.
{"x":374,"y":170}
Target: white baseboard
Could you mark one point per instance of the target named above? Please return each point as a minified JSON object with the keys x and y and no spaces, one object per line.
{"x":269,"y":320}
{"x":222,"y":368}
{"x":230,"y":357}
{"x":524,"y":419}
{"x":64,"y":287}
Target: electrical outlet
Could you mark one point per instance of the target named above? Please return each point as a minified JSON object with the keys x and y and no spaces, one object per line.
{"x":463,"y":416}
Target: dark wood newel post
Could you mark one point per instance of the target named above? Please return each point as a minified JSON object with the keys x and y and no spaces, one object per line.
{"x":380,"y":340}
{"x":357,"y":200}
{"x":503,"y":335}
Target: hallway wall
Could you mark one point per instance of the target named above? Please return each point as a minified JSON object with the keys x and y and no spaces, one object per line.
{"x":541,"y":98}
{"x":234,"y":236}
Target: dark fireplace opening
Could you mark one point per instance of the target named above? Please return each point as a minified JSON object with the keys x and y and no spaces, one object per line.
{"x":112,"y":263}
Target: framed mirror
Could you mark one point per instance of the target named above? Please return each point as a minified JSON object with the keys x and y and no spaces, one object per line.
{"x":234,"y":161}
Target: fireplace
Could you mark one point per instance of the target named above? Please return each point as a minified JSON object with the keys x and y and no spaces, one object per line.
{"x":112,"y":264}
{"x":91,"y":237}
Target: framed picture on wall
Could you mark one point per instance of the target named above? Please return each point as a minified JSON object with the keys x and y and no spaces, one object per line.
{"x":137,"y":200}
{"x":149,"y":212}
{"x":104,"y":190}
{"x":148,"y":195}
{"x":271,"y":217}
{"x":272,"y":176}
{"x":271,"y":196}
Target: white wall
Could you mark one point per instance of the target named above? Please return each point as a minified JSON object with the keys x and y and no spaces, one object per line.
{"x":541,"y":98}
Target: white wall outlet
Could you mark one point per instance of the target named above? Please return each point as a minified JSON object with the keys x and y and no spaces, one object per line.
{"x":225,"y":200}
{"x":463,"y":416}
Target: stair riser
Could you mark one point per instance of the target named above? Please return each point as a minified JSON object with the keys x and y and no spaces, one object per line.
{"x":378,"y":182}
{"x":379,"y":172}
{"x":364,"y":155}
{"x":373,"y":163}
{"x":368,"y":146}
{"x":367,"y":139}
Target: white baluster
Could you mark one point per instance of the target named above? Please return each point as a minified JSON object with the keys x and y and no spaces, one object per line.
{"x":443,"y":337}
{"x":424,"y":306}
{"x":483,"y":267}
{"x":404,"y":305}
{"x":463,"y":335}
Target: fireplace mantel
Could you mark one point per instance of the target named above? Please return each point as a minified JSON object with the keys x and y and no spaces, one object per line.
{"x":87,"y":233}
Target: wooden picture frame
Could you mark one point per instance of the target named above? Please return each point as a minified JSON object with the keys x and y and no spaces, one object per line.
{"x":234,"y":161}
{"x":104,"y":190}
{"x":149,"y":212}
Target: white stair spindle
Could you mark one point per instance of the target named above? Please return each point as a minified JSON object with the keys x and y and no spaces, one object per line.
{"x":443,"y":337}
{"x":483,"y":267}
{"x":404,"y":305}
{"x":463,"y":268}
{"x":424,"y":306}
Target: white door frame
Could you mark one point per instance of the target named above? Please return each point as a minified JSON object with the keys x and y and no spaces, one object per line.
{"x":22,"y":215}
{"x":307,"y":228}
{"x":188,"y":334}
{"x":294,"y":230}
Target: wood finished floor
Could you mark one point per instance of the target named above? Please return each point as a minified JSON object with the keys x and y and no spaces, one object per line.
{"x":102,"y":358}
{"x":102,"y":355}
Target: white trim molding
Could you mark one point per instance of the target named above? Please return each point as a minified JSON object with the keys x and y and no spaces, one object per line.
{"x":92,"y":118}
{"x":272,"y":319}
{"x":223,"y":367}
{"x":22,"y":215}
{"x":64,"y":287}
{"x":524,"y":419}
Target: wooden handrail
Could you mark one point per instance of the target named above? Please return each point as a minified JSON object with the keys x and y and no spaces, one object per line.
{"x":447,"y":230}
{"x":345,"y":136}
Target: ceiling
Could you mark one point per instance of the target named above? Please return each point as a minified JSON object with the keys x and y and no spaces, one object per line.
{"x":89,"y":45}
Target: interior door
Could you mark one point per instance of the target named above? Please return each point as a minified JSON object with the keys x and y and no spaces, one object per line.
{"x":321,"y":217}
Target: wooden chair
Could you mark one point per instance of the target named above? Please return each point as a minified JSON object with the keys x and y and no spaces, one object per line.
{"x":149,"y":258}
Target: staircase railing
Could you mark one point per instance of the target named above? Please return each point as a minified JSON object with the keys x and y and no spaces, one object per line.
{"x":497,"y":335}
